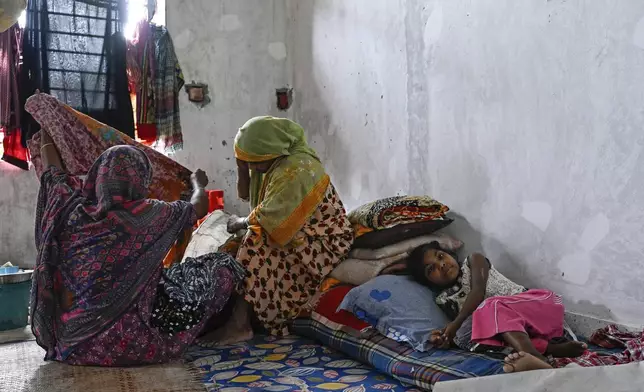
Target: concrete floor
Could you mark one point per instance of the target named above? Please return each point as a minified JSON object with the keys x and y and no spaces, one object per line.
{"x":621,"y":378}
{"x":16,"y":335}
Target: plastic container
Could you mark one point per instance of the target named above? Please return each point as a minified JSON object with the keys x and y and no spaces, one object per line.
{"x":215,"y":202}
{"x":9,"y":270}
{"x":14,"y":304}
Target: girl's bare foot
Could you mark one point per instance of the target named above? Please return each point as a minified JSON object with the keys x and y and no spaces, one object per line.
{"x":522,"y":361}
{"x":567,"y":349}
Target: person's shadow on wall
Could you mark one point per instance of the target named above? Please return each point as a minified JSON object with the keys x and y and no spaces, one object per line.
{"x":474,"y":241}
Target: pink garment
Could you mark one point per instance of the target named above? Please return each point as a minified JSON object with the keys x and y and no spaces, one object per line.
{"x":539,"y":313}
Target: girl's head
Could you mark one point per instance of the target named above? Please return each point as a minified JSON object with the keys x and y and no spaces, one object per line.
{"x":433,"y":267}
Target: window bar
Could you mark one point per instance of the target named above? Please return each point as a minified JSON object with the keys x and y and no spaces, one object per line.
{"x":65,"y":33}
{"x":75,"y":52}
{"x":72,"y":71}
{"x":69,"y":14}
{"x":71,"y":90}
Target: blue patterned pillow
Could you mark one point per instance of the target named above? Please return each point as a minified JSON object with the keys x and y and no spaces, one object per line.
{"x":398,"y":308}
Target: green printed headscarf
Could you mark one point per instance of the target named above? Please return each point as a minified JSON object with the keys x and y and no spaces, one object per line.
{"x":285,"y":197}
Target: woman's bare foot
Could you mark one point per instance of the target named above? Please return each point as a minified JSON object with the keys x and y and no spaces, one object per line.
{"x":522,"y":361}
{"x":567,"y":349}
{"x":232,"y":336}
{"x":237,"y":329}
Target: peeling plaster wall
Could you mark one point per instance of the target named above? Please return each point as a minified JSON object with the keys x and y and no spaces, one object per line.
{"x":18,"y":196}
{"x":524,"y":117}
{"x":238,"y":48}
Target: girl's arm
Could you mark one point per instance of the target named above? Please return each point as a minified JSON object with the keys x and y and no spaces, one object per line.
{"x":48,"y":152}
{"x":479,"y":268}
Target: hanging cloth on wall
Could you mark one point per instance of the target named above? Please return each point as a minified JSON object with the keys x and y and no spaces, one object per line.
{"x":140,"y":67}
{"x":10,"y":41}
{"x":168,"y":81}
{"x":156,"y":77}
{"x":14,"y":152}
{"x":75,"y":50}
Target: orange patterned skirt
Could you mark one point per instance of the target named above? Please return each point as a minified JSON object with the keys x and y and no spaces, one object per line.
{"x":284,"y":279}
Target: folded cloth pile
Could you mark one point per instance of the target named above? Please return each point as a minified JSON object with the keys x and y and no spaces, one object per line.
{"x":394,"y":219}
{"x":387,"y":230}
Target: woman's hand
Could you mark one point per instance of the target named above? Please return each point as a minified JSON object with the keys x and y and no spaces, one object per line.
{"x":45,"y":138}
{"x":235,"y":224}
{"x":48,"y":151}
{"x":199,"y":179}
{"x":199,"y":197}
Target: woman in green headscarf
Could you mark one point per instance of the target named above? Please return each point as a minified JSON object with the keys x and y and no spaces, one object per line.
{"x":297,"y":231}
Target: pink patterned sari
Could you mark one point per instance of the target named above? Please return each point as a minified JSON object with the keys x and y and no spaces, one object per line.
{"x":101,"y":246}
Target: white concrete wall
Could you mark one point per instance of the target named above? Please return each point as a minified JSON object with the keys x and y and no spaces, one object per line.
{"x":524,"y":117}
{"x":18,"y":196}
{"x":237,"y":47}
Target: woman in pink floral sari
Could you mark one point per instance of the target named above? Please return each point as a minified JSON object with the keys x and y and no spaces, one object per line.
{"x":98,"y":296}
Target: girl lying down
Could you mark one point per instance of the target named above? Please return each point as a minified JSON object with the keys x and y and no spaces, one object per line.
{"x":488,"y":309}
